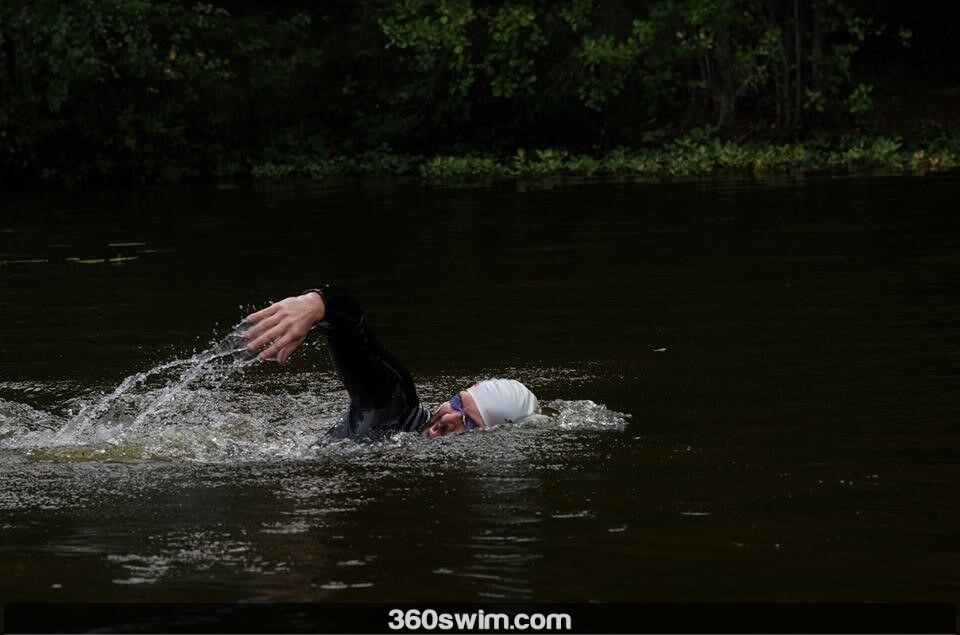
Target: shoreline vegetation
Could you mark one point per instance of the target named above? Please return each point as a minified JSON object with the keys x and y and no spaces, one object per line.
{"x":700,"y":152}
{"x":159,"y":91}
{"x":697,"y":153}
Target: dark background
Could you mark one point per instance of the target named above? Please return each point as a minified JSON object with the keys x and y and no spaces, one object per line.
{"x":157,"y":90}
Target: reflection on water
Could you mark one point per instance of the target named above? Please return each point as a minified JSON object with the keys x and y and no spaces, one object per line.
{"x":751,"y":388}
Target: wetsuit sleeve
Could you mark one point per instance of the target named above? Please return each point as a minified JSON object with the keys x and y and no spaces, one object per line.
{"x":371,"y":375}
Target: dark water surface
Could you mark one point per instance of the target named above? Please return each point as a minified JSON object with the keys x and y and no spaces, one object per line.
{"x":756,"y":381}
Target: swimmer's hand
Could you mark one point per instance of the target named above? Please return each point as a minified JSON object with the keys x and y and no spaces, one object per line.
{"x":281,"y":327}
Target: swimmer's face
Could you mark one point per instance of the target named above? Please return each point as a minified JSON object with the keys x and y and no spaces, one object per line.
{"x":446,"y":420}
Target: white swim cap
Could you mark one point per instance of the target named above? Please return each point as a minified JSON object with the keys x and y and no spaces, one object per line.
{"x":503,"y":400}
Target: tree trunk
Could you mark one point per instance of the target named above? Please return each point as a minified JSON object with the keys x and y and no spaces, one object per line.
{"x":784,"y":97}
{"x":816,"y":73}
{"x":725,"y":85}
{"x":798,"y":46}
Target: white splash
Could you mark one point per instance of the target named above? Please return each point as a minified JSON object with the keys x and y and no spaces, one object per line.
{"x":207,"y":407}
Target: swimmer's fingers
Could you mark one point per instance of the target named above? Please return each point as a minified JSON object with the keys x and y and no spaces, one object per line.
{"x":270,"y":336}
{"x":262,"y":313}
{"x":287,"y":351}
{"x":261,"y":326}
{"x":284,"y":324}
{"x":278,"y":347}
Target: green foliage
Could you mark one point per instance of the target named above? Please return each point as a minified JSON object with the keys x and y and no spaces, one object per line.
{"x":608,"y":64}
{"x":515,"y":39}
{"x":163,"y":90}
{"x":576,"y":13}
{"x":699,"y":152}
{"x":64,"y":54}
{"x":860,"y":99}
{"x":119,"y":83}
{"x":905,"y":35}
{"x":445,"y":167}
{"x":432,"y":35}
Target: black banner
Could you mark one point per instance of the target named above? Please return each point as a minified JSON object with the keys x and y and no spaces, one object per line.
{"x":479,"y":618}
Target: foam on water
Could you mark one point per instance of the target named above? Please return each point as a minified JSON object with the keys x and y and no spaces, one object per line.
{"x":212,"y":407}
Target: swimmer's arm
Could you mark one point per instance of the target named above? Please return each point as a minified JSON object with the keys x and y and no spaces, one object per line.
{"x":281,"y":327}
{"x":369,"y":372}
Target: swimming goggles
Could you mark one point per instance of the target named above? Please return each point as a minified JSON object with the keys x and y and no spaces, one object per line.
{"x":457,"y":404}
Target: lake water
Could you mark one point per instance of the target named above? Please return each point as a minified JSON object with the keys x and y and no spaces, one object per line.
{"x":755,"y":385}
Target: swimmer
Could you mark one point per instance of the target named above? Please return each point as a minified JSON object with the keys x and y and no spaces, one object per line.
{"x":383,"y":397}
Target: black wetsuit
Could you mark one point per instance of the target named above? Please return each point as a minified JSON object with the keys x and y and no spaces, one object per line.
{"x":383,"y":398}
